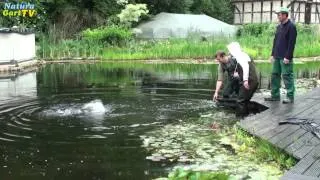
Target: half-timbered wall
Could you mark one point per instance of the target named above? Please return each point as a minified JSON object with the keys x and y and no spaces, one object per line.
{"x":261,"y":11}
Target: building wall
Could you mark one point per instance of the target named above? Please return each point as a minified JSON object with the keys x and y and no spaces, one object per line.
{"x":262,"y":11}
{"x":18,"y":47}
{"x":23,"y":85}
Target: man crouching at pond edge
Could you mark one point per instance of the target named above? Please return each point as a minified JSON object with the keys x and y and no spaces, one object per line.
{"x":238,"y":66}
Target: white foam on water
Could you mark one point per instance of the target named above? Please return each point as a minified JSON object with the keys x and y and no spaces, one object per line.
{"x":92,"y":137}
{"x":93,"y":108}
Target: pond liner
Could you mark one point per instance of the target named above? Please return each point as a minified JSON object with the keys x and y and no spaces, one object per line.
{"x":231,"y":104}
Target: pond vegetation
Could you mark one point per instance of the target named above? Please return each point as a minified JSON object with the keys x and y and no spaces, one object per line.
{"x":117,"y":43}
{"x":212,"y":146}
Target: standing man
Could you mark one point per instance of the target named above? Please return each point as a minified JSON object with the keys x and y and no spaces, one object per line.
{"x":244,"y":70}
{"x":282,"y":58}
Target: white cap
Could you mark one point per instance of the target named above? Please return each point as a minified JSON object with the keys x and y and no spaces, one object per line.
{"x":235,"y":50}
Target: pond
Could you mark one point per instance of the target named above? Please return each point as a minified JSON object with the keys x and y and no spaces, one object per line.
{"x":97,"y":121}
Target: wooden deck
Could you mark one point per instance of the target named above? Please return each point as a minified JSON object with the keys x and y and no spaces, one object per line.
{"x":296,"y":141}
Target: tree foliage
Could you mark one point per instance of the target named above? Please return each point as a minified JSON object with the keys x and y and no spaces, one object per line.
{"x":70,"y":17}
{"x":220,"y":9}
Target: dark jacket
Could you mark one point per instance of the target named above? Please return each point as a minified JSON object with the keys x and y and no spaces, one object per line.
{"x":230,"y":67}
{"x":233,"y":66}
{"x":284,"y":41}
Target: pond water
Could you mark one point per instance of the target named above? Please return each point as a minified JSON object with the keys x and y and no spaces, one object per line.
{"x":92,"y":121}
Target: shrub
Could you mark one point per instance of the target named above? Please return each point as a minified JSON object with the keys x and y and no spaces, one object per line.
{"x":304,"y":28}
{"x":252,"y":29}
{"x":269,"y":29}
{"x":110,"y":35}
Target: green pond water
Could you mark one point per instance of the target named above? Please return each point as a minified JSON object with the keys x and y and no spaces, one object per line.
{"x":120,"y":121}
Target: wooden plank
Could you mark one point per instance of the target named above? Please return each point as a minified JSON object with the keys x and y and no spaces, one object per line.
{"x":271,"y":132}
{"x":292,"y":138}
{"x":313,"y":112}
{"x":301,"y":143}
{"x":277,"y":105}
{"x":285,"y":142}
{"x":287,"y":132}
{"x":302,"y":165}
{"x":253,"y":124}
{"x":295,"y":109}
{"x":292,"y":176}
{"x":271,"y":11}
{"x":306,"y":162}
{"x":272,"y":128}
{"x":307,"y":148}
{"x":261,"y":11}
{"x":263,"y":118}
{"x":314,"y":169}
{"x":309,"y":113}
{"x":252,"y":12}
{"x":285,"y":110}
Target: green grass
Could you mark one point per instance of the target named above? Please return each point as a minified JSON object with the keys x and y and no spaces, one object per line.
{"x":69,"y":49}
{"x":181,"y":174}
{"x":165,"y":49}
{"x":259,"y":47}
{"x":265,"y":151}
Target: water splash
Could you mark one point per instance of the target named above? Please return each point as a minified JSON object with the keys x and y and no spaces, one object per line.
{"x":93,"y":108}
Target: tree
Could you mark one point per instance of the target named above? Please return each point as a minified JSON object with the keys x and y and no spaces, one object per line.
{"x":220,"y":9}
{"x":132,"y":12}
{"x":70,"y":17}
{"x":171,"y":6}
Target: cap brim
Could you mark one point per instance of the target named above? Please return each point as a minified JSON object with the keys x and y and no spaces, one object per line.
{"x":278,"y":12}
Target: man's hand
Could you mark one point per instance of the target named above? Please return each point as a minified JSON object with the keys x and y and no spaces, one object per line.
{"x":215,"y":96}
{"x":246,"y":85}
{"x":271,"y":59}
{"x":286,"y":61}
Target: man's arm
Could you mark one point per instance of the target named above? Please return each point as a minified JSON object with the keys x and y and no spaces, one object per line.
{"x":291,"y":42}
{"x":219,"y":82}
{"x":243,"y":60}
{"x":218,"y":86}
{"x":274,"y":42}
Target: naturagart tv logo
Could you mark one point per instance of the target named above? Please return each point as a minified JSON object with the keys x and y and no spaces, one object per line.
{"x":24,"y":9}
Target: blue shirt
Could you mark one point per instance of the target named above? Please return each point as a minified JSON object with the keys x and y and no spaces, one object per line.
{"x":284,"y":41}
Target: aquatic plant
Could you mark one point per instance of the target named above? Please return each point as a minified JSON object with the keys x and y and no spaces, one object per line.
{"x":199,"y":147}
{"x":181,"y":174}
{"x":263,"y":149}
{"x":116,"y":43}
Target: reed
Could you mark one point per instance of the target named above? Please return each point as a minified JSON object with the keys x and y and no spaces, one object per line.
{"x":257,"y":46}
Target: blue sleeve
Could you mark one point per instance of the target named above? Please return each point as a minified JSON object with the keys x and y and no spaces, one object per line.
{"x":274,"y":41}
{"x":291,"y":42}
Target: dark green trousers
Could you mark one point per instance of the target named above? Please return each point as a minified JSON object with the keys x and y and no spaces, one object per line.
{"x":245,"y":96}
{"x":286,"y":70}
{"x":232,"y":87}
